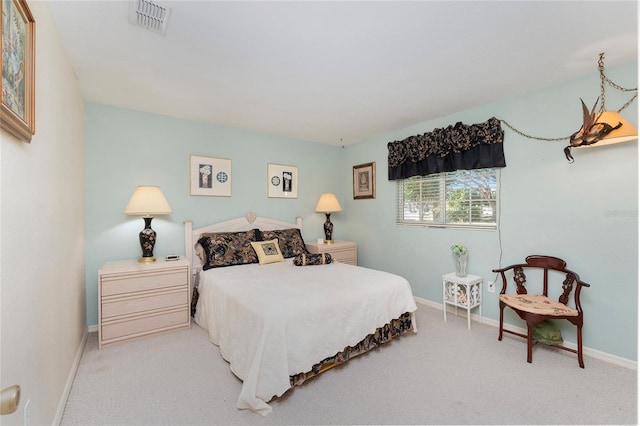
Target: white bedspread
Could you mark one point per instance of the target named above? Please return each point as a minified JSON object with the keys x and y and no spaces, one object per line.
{"x":273,"y":321}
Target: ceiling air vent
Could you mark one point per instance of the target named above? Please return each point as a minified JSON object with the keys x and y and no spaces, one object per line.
{"x":150,"y":15}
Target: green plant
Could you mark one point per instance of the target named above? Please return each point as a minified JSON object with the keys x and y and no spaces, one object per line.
{"x":458,"y":249}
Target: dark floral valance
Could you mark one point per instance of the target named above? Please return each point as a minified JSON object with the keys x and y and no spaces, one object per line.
{"x":458,"y":147}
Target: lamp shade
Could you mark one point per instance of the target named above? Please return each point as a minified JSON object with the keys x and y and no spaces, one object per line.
{"x":147,"y":201}
{"x":625,"y":133}
{"x":328,"y":203}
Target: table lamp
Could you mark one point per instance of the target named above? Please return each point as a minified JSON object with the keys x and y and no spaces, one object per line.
{"x":147,"y":201}
{"x":327,"y":204}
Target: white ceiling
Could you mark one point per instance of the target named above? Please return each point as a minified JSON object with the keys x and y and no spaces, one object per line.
{"x":337,"y":72}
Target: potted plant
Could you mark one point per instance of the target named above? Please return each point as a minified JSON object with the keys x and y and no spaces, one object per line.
{"x":460,"y":254}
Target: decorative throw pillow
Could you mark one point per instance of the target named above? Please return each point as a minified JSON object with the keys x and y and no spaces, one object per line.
{"x":290,"y":241}
{"x":268,"y":251}
{"x":312,"y":259}
{"x":228,"y":248}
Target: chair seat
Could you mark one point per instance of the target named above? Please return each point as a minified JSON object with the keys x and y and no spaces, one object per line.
{"x":538,"y":304}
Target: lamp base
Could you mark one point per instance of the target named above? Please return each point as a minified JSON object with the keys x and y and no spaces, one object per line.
{"x":328,"y":229}
{"x":147,"y":242}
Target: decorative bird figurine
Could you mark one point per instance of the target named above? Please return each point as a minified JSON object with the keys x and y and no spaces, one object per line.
{"x":591,"y":131}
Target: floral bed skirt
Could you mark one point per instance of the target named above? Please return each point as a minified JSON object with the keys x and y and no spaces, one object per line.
{"x":380,"y":336}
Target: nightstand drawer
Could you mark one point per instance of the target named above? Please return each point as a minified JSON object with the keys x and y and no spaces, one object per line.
{"x":120,"y":284}
{"x":340,"y":251}
{"x":343,"y":255}
{"x":143,"y":325}
{"x":144,"y":302}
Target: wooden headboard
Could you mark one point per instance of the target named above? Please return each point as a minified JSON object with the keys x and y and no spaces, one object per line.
{"x":245,"y":223}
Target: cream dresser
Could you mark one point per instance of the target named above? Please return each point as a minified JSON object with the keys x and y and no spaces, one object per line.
{"x":341,"y":251}
{"x":140,"y":299}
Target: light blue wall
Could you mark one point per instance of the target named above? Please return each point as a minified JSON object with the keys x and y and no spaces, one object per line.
{"x":127,"y":148}
{"x":586,"y":212}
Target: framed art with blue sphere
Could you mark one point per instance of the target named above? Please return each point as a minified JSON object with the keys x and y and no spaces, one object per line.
{"x":282,"y":181}
{"x":210,"y":176}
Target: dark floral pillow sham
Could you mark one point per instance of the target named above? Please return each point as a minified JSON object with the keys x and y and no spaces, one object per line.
{"x":228,"y":248}
{"x":312,"y":259}
{"x":290,"y":241}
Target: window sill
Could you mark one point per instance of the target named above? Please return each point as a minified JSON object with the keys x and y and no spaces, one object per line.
{"x":491,"y":227}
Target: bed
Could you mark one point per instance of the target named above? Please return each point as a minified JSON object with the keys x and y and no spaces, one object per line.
{"x":280,"y":315}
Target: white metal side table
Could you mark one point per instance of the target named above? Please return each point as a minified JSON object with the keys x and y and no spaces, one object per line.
{"x":463,"y":292}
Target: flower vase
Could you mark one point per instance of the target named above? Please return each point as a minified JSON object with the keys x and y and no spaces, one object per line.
{"x":460,"y":260}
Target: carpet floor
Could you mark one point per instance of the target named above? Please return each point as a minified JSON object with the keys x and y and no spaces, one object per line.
{"x":443,"y":374}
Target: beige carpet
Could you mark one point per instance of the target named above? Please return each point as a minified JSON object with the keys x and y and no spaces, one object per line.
{"x":444,"y":374}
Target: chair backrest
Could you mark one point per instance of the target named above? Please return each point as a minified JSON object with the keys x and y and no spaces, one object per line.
{"x":545,"y":263}
{"x":556,"y":264}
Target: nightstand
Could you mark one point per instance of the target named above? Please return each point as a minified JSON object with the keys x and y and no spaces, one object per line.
{"x":463,"y":292}
{"x":340,"y":251}
{"x":141,"y":299}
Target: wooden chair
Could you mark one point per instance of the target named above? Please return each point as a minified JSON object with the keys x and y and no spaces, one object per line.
{"x":534,"y":308}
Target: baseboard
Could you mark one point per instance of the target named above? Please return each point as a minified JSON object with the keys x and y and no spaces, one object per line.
{"x":93,"y":328}
{"x":593,"y":353}
{"x":70,"y":378}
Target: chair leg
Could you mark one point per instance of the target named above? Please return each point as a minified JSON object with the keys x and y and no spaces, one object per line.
{"x":580,"y":360}
{"x":529,"y":342}
{"x":501,"y":321}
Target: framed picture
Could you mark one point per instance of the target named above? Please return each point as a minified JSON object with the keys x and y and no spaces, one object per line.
{"x":364,"y":181}
{"x":282,"y":181}
{"x":210,"y":176}
{"x":18,"y":109}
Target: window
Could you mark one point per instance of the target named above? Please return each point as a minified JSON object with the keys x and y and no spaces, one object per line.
{"x":464,"y":198}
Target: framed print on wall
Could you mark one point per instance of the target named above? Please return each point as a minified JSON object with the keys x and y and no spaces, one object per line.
{"x":18,"y":108}
{"x":210,"y":176}
{"x":282,"y":181}
{"x":364,"y":181}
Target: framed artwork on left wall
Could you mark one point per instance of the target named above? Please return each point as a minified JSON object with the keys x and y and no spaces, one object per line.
{"x":210,"y":176}
{"x":18,"y":108}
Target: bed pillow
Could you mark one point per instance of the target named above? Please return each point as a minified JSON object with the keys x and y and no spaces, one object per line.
{"x":200,"y":252}
{"x":268,"y":251}
{"x":228,"y":248}
{"x":290,"y":241}
{"x":312,"y":259}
